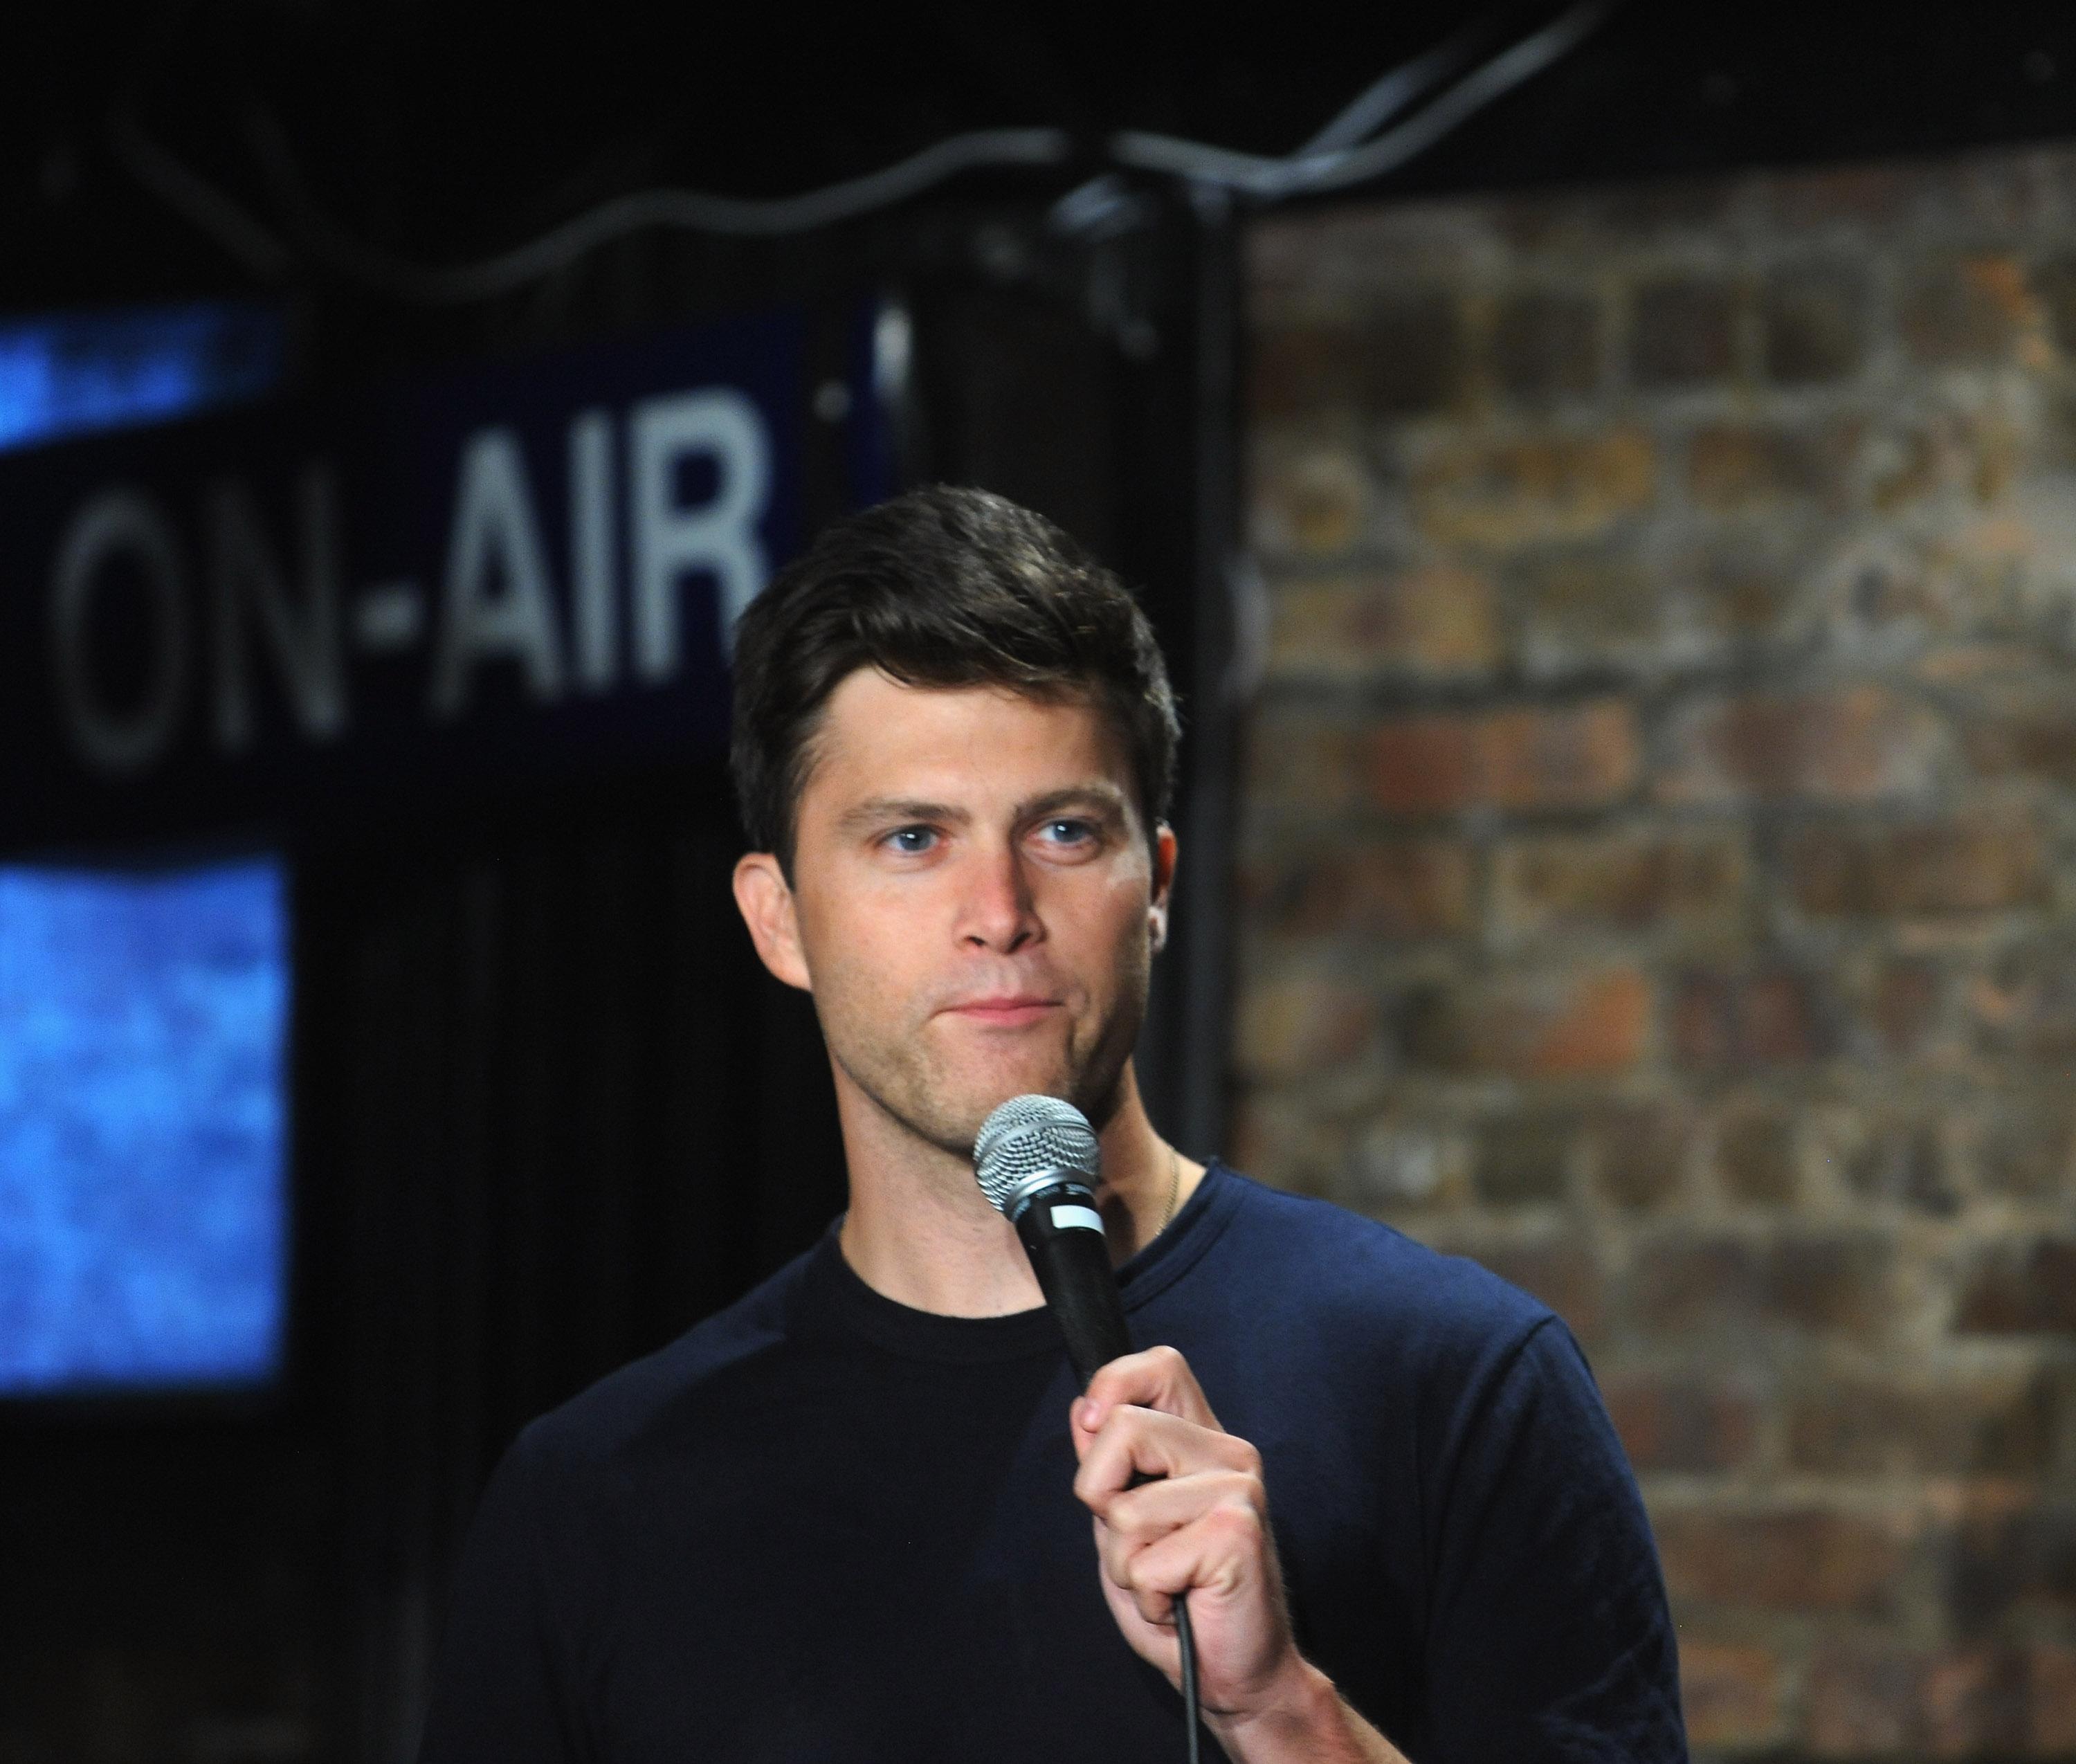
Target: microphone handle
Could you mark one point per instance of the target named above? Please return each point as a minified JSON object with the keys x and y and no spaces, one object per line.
{"x":1063,"y":1235}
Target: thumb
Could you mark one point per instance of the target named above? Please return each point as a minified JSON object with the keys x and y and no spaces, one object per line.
{"x":1083,"y":1420}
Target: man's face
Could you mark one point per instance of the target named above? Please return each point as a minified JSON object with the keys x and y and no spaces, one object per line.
{"x":975,"y":902}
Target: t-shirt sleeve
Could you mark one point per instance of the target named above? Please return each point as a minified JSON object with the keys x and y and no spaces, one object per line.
{"x":504,"y":1688}
{"x":1549,"y":1634}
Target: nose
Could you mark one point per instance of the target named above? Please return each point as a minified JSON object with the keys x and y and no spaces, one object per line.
{"x":997,"y":910}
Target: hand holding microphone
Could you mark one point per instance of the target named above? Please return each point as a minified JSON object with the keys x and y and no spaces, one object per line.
{"x":1180,"y":1510}
{"x":1182,"y":1515}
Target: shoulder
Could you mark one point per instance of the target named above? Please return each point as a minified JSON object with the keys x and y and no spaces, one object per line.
{"x":1342,"y":1270}
{"x":1362,"y":1306}
{"x":658,"y":1393}
{"x":1492,"y":1375}
{"x":544,"y":1528}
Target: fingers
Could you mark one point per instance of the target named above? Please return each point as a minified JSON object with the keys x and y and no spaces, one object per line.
{"x":1157,"y":1378}
{"x":1142,"y":1441}
{"x":1204,"y":1520}
{"x":1156,"y":1604}
{"x":1139,"y":1518}
{"x":1222,"y":1549}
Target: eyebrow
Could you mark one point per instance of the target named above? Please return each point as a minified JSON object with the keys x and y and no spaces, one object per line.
{"x":1106,"y":797}
{"x":880,"y":810}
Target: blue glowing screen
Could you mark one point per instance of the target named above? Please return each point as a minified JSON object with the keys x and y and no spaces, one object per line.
{"x":142,"y":1127}
{"x":74,"y":373}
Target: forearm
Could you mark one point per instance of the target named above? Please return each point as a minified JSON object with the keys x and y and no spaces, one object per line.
{"x":1309,"y":1722}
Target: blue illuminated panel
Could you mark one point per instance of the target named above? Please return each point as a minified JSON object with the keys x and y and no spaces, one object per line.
{"x":76,"y":373}
{"x":143,"y":1128}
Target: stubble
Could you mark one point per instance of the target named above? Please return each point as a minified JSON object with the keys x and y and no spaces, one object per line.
{"x":933,"y":1090}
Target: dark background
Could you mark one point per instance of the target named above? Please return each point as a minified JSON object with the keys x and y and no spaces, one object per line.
{"x":439,"y":132}
{"x":548,"y":1112}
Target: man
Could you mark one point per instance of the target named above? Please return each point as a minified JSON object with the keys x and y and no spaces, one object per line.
{"x":850,"y":1517}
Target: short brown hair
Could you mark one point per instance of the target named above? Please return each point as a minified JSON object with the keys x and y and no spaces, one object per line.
{"x":942,"y":588}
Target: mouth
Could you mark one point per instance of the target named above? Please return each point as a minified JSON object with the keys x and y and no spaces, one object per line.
{"x":1007,"y":1012}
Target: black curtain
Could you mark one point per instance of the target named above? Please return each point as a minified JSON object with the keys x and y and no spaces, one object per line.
{"x":552,"y":1113}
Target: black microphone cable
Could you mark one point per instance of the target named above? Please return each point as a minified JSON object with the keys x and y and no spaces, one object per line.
{"x":1187,"y":1642}
{"x":1186,"y":1639}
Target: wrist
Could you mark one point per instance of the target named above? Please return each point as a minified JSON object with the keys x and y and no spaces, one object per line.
{"x":1298,"y":1709}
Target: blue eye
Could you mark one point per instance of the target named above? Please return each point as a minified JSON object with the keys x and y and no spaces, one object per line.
{"x":912,"y":840}
{"x":1069,"y":832}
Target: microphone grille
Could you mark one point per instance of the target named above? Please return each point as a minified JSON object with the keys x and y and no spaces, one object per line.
{"x":1033,"y":1135}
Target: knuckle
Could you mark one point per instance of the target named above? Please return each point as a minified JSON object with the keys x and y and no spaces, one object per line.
{"x":1135,"y":1523}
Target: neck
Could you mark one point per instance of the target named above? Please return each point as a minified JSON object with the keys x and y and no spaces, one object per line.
{"x":920,"y":1232}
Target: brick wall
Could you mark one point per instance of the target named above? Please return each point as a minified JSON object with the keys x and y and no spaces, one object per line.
{"x":1658,"y":877}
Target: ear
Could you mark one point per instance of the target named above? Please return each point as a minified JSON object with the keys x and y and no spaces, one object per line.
{"x":765,"y":902}
{"x":1163,"y":881}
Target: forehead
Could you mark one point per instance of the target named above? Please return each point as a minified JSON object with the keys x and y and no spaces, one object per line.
{"x":878,"y":736}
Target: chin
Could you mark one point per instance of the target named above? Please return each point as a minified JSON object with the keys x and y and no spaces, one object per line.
{"x":983,"y":1102}
{"x":1096,"y":1096}
{"x":971,"y":1106}
{"x":945,"y":1096}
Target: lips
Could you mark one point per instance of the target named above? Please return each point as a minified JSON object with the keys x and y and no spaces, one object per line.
{"x":1006,"y":1010}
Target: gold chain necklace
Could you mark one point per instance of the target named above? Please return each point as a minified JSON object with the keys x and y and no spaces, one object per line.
{"x":1174,"y":1190}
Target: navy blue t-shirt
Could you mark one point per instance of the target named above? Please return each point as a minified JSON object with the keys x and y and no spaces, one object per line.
{"x":823,"y":1526}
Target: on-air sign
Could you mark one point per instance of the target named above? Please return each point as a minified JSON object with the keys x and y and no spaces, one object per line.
{"x":484,"y":575}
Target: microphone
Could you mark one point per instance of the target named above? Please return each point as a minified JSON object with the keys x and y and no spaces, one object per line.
{"x":1037,"y":1161}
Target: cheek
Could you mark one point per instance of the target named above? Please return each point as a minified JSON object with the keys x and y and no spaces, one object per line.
{"x":864,"y":931}
{"x":1125,"y":912}
{"x":1131,"y":896}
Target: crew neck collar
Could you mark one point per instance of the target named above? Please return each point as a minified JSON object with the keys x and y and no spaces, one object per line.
{"x":835,"y":1299}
